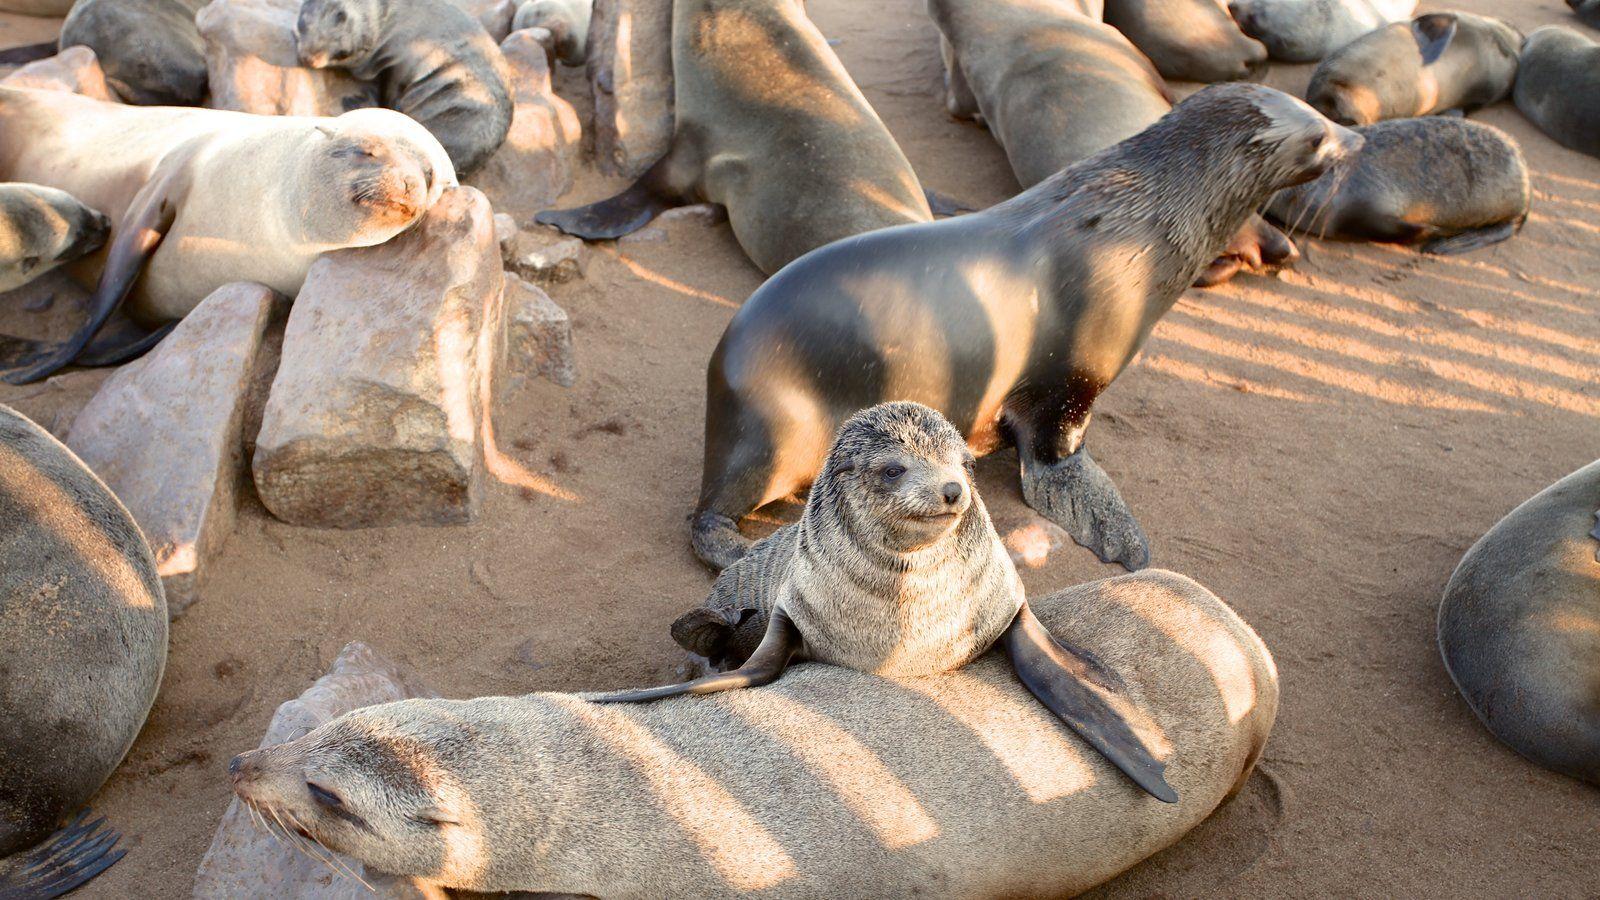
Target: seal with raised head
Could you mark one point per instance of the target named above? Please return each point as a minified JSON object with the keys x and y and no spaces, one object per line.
{"x":1010,"y":321}
{"x":83,"y":641}
{"x":172,"y":190}
{"x":562,"y":27}
{"x":1449,"y":184}
{"x":430,"y":60}
{"x":41,"y":228}
{"x":1436,"y":63}
{"x":828,"y":783}
{"x":1307,"y":30}
{"x":770,"y":125}
{"x":1519,"y":627}
{"x":1055,"y":86}
{"x":1558,"y":87}
{"x":1190,"y":40}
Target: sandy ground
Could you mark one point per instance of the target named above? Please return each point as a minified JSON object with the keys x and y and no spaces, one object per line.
{"x":1319,"y":449}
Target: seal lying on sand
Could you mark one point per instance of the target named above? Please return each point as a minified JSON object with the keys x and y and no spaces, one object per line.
{"x":895,"y":569}
{"x":151,"y":51}
{"x":1519,"y":627}
{"x":769,"y":125}
{"x":1190,"y":40}
{"x":204,"y":197}
{"x":1308,"y":30}
{"x":1450,"y":184}
{"x":828,"y":783}
{"x":41,"y":228}
{"x":83,"y":641}
{"x":1054,"y":87}
{"x":1558,"y":87}
{"x":1010,"y":321}
{"x":1439,"y":62}
{"x":430,"y":60}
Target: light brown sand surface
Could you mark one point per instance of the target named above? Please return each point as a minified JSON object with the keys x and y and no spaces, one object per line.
{"x":1319,"y":449}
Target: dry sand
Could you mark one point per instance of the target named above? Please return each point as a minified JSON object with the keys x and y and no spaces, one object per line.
{"x":1319,"y":449}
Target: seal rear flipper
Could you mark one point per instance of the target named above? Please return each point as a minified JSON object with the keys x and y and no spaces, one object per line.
{"x":944,"y":206}
{"x":627,"y":212}
{"x":120,"y":342}
{"x":28,"y":53}
{"x":781,"y":642}
{"x":66,"y":861}
{"x":1475,"y":239}
{"x":1063,"y":680}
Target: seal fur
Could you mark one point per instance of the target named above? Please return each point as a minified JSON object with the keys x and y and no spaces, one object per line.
{"x":1190,"y":40}
{"x":1558,"y":87}
{"x":151,"y":50}
{"x":1307,"y":30}
{"x":42,"y":228}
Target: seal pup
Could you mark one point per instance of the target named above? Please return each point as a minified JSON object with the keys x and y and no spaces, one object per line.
{"x":770,"y":125}
{"x":172,"y":191}
{"x":151,"y":50}
{"x":1190,"y":40}
{"x":1009,"y":321}
{"x":1519,"y":627}
{"x":1558,"y":87}
{"x":41,"y":228}
{"x":1307,"y":30}
{"x":1436,"y":63}
{"x":430,"y":60}
{"x":828,"y":783}
{"x":1055,"y":86}
{"x":1450,"y":184}
{"x":83,"y":641}
{"x":563,"y":27}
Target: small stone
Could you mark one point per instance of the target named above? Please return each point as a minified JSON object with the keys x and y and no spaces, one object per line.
{"x":164,"y":433}
{"x":534,"y":165}
{"x":538,"y":335}
{"x":252,"y":65}
{"x":75,"y":70}
{"x":630,"y":74}
{"x":650,"y":234}
{"x":545,"y":259}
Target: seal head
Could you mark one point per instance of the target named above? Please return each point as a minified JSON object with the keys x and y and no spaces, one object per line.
{"x":42,"y":228}
{"x":337,"y":33}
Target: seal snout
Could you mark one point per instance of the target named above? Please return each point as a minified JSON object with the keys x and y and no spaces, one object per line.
{"x":952,"y":492}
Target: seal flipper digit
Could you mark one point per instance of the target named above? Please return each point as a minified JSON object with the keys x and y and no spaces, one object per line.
{"x":622,"y":214}
{"x":1475,"y":239}
{"x":1064,"y":682}
{"x":66,"y":861}
{"x":779,"y":645}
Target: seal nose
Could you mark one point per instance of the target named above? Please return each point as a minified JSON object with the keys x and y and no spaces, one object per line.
{"x":951,"y":492}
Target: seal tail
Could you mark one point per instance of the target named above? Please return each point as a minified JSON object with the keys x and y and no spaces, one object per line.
{"x":16,"y":56}
{"x":68,"y":860}
{"x":779,"y":645}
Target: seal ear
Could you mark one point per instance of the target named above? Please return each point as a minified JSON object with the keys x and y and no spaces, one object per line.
{"x":1433,"y":33}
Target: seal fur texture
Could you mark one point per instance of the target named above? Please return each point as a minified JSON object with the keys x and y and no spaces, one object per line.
{"x":430,"y":60}
{"x":1449,"y":184}
{"x":1307,"y":30}
{"x":563,"y":27}
{"x":971,"y":788}
{"x":1519,"y":627}
{"x":83,"y":641}
{"x":42,"y":228}
{"x":1435,"y":63}
{"x":1190,"y":40}
{"x":151,"y":50}
{"x":1558,"y":87}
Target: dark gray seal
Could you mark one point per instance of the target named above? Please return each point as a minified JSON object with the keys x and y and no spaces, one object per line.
{"x":151,"y":50}
{"x":430,"y":60}
{"x":1308,"y":30}
{"x":1009,"y":321}
{"x":1448,"y":184}
{"x":83,"y":640}
{"x":1190,"y":40}
{"x":1558,"y":87}
{"x":1588,"y":11}
{"x":1519,"y":627}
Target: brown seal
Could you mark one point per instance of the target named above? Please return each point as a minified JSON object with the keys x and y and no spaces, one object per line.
{"x":1190,"y":40}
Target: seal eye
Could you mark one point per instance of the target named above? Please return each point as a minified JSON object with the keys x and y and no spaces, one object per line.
{"x":324,"y":796}
{"x":891,"y":472}
{"x":1315,"y":143}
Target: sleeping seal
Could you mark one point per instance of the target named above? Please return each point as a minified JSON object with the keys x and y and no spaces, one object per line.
{"x":83,"y":641}
{"x":173,"y":189}
{"x":151,"y":50}
{"x":430,"y":60}
{"x":1558,"y":87}
{"x":1190,"y":40}
{"x":895,"y":569}
{"x":1449,"y":184}
{"x":828,"y":783}
{"x":1439,"y":62}
{"x":1308,"y":30}
{"x":769,"y":125}
{"x":1519,"y":627}
{"x":1010,"y":321}
{"x":41,"y":228}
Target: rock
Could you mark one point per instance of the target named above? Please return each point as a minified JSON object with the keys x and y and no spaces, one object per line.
{"x":75,"y":69}
{"x":252,"y":65}
{"x":630,"y":74}
{"x":165,"y":432}
{"x":544,"y":257}
{"x":494,"y":15}
{"x":538,"y":335}
{"x":243,"y":861}
{"x":375,"y":415}
{"x":505,"y":231}
{"x":534,"y":165}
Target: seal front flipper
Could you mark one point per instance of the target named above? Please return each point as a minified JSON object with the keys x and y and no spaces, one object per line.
{"x":66,"y":861}
{"x":1064,"y":680}
{"x":779,"y":645}
{"x":625,"y":213}
{"x":1078,"y":495}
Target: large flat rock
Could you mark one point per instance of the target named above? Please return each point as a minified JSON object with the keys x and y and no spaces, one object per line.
{"x":630,"y":72}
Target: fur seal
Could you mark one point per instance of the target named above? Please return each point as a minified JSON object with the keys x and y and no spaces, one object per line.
{"x":1519,"y":627}
{"x":151,"y":50}
{"x":83,"y":641}
{"x":563,"y":27}
{"x":1055,"y":86}
{"x":1307,"y":30}
{"x":1450,"y":184}
{"x":1439,"y":62}
{"x":1190,"y":40}
{"x":173,"y":187}
{"x":828,"y":783}
{"x":895,"y":569}
{"x":41,"y":228}
{"x":769,"y":125}
{"x":1009,"y":321}
{"x":1558,"y":87}
{"x":430,"y":60}
{"x":1588,"y":11}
